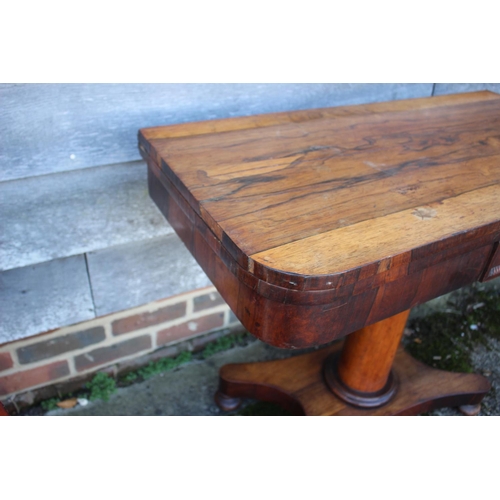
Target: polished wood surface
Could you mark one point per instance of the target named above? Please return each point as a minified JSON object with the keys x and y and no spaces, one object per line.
{"x":316,"y":223}
{"x":368,"y":354}
{"x":258,"y":121}
{"x":297,"y":384}
{"x":362,"y":374}
{"x":279,"y":192}
{"x":296,"y":319}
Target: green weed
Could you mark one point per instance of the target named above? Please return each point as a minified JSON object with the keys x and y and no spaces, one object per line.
{"x":223,"y":344}
{"x":50,"y":404}
{"x":130,"y":377}
{"x":163,"y":365}
{"x":101,"y":386}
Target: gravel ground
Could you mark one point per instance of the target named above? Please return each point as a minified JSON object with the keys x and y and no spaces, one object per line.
{"x":486,"y":361}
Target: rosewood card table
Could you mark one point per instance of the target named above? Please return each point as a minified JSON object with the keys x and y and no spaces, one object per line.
{"x":332,"y":223}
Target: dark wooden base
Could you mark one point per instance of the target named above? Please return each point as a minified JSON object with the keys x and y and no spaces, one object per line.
{"x":357,"y":398}
{"x":298,"y":385}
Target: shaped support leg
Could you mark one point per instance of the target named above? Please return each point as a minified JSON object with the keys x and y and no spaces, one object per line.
{"x":364,"y":368}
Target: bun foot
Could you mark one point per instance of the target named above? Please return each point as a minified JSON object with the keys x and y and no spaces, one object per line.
{"x":226,"y":403}
{"x":470,"y":410}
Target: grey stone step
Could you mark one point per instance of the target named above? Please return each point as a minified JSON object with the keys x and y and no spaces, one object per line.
{"x":455,"y":88}
{"x":43,"y":297}
{"x":130,"y":275}
{"x":61,"y":292}
{"x":60,"y":127}
{"x":70,"y":213}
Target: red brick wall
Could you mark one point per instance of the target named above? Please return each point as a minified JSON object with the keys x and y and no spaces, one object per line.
{"x":90,"y":346}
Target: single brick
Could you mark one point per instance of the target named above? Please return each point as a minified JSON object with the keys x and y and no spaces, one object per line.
{"x":36,"y":376}
{"x":103,"y":355}
{"x":146,"y":319}
{"x":206,"y":301}
{"x":5,"y":361}
{"x":190,"y":328}
{"x":53,"y":347}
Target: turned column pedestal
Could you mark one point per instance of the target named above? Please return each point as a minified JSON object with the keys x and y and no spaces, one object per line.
{"x":362,"y":373}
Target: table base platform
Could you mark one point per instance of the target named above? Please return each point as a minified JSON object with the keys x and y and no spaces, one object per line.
{"x":298,"y":385}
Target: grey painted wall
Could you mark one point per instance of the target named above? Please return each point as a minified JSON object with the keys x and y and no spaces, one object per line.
{"x":47,"y":128}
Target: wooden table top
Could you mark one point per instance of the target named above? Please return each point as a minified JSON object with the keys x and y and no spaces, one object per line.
{"x":321,"y":199}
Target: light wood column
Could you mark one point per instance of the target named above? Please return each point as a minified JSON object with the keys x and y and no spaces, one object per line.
{"x":362,"y":374}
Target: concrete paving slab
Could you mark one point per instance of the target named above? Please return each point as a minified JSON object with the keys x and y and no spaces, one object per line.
{"x":188,"y":390}
{"x":130,"y":275}
{"x":35,"y":299}
{"x":70,"y":213}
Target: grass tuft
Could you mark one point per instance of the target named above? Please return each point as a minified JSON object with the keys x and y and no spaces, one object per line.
{"x":162,"y":365}
{"x":50,"y":404}
{"x":101,"y":387}
{"x":223,"y":344}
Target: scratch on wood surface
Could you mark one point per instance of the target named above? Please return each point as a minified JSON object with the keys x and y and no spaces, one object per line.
{"x":406,"y":189}
{"x":424,"y":213}
{"x":374,"y":165}
{"x":494,"y":271}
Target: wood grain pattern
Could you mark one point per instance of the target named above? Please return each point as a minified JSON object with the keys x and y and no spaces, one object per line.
{"x":317,"y":223}
{"x":257,"y":121}
{"x":396,"y":234}
{"x":368,"y":354}
{"x":302,"y":318}
{"x":266,"y":187}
